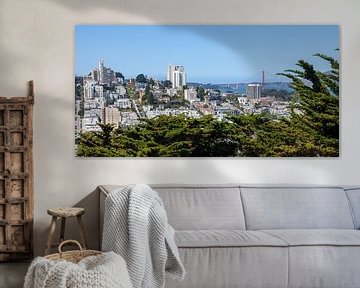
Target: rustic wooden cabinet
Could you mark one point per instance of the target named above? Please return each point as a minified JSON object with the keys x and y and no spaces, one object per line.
{"x":16,"y":177}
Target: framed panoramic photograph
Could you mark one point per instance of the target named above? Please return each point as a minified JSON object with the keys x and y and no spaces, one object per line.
{"x":207,"y":90}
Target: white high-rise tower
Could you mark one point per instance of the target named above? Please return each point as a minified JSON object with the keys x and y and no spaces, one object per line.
{"x":176,"y":74}
{"x":101,"y":69}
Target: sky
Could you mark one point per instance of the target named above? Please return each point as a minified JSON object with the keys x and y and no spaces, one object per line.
{"x":210,"y":53}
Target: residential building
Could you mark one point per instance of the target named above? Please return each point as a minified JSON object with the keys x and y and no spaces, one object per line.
{"x":120,"y":89}
{"x":190,"y":94}
{"x":89,"y":90}
{"x":110,"y":115}
{"x":123,"y":103}
{"x":99,"y":91}
{"x":95,"y":75}
{"x":176,"y":74}
{"x":253,"y":91}
{"x":103,"y":74}
{"x":242,"y":100}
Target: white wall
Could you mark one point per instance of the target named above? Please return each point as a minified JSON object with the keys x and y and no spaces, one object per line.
{"x":37,"y":42}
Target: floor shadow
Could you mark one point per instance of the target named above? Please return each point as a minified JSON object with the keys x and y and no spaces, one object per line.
{"x":12,"y":275}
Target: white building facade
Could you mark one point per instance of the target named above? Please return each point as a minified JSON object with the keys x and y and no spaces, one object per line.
{"x":176,"y":74}
{"x":190,"y":94}
{"x":89,"y":89}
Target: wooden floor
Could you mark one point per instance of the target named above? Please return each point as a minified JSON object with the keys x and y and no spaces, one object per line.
{"x":12,"y":274}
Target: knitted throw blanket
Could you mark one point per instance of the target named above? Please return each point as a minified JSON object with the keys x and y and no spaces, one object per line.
{"x":136,"y":227}
{"x":103,"y":271}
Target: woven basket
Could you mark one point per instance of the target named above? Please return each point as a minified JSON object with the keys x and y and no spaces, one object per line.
{"x":72,"y":256}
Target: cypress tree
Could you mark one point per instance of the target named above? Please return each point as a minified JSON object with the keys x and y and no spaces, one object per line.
{"x":315,"y":109}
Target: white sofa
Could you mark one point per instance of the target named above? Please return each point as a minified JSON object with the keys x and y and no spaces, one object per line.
{"x":263,"y":236}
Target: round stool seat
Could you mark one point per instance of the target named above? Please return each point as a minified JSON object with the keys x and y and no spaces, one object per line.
{"x":66,"y":211}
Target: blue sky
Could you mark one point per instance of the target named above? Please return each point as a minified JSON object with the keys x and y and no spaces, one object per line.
{"x":210,"y":53}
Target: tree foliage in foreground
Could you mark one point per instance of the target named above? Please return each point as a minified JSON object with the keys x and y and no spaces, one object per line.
{"x":315,"y":113}
{"x":311,"y":130}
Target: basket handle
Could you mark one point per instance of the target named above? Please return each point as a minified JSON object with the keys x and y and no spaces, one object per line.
{"x":69,"y":241}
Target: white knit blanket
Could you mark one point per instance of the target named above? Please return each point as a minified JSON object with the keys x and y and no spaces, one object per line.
{"x":103,"y":271}
{"x":136,"y":227}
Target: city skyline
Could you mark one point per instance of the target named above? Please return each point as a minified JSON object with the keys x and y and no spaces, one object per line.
{"x":211,"y":53}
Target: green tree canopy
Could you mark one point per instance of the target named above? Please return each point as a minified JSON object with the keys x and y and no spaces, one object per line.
{"x":167,"y":84}
{"x":315,"y":110}
{"x":119,"y":75}
{"x":200,"y":92}
{"x":141,"y":78}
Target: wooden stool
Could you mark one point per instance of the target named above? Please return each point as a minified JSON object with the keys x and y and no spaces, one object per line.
{"x":64,"y":213}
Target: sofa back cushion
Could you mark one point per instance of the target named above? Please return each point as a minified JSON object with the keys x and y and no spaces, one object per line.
{"x":200,"y":207}
{"x":296,"y":208}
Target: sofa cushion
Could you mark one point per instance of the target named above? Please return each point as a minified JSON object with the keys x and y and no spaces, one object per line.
{"x":220,"y":267}
{"x":317,"y":237}
{"x":226,"y":238}
{"x":324,"y":266}
{"x":191,"y":207}
{"x":322,"y":258}
{"x":296,"y":208}
{"x":202,"y":207}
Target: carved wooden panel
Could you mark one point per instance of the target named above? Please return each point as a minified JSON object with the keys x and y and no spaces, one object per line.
{"x":16,"y":177}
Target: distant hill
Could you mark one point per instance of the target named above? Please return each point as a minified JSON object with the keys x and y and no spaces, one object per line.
{"x":241,"y":87}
